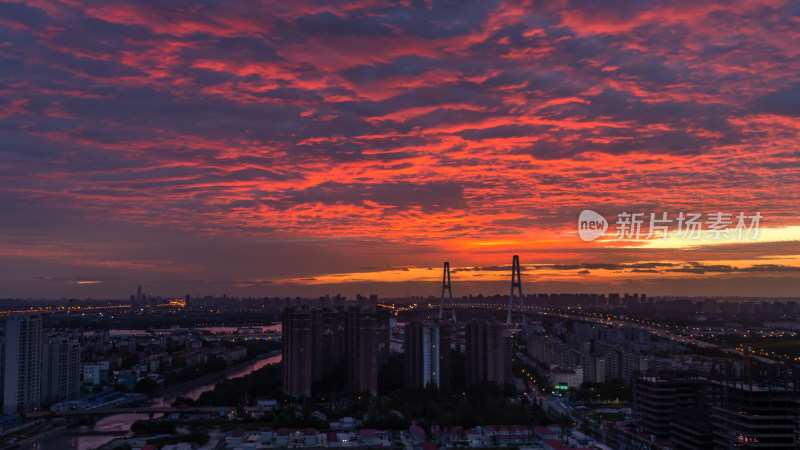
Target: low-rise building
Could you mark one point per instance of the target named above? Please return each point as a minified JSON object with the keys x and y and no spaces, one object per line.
{"x":571,"y":377}
{"x":417,"y":434}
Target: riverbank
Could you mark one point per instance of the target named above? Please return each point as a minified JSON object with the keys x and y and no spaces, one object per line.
{"x":193,"y":388}
{"x":122,"y":422}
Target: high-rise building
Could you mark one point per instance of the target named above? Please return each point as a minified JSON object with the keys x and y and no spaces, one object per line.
{"x":333,"y":345}
{"x":318,"y":342}
{"x":613,"y":366}
{"x":297,"y":351}
{"x":61,"y":369}
{"x":594,"y":368}
{"x":384,"y":334}
{"x":691,"y":429}
{"x":137,"y":303}
{"x":22,"y":364}
{"x":486,"y":349}
{"x":748,"y":415}
{"x":508,"y":350}
{"x":445,"y":357}
{"x":361,"y":339}
{"x":317,"y":354}
{"x":687,"y":412}
{"x":2,"y":364}
{"x":422,"y":354}
{"x":656,"y":402}
{"x":427,"y":354}
{"x":632,"y":363}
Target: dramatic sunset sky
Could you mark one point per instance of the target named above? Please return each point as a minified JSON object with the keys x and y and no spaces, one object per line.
{"x":305,"y":148}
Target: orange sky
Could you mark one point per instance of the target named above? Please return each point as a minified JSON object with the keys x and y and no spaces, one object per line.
{"x":303,"y":149}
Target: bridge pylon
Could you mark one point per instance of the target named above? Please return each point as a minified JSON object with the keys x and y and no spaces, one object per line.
{"x":516,"y":282}
{"x":446,"y":287}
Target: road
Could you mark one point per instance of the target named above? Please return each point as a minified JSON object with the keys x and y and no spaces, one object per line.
{"x":144,"y":410}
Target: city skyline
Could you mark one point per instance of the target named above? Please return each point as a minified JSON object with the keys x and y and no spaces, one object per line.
{"x":310,"y":149}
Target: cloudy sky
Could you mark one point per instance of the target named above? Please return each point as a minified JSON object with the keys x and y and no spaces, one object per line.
{"x":304,"y":148}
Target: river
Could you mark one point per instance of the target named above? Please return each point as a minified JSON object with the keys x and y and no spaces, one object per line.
{"x":273,"y":327}
{"x":86,"y":438}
